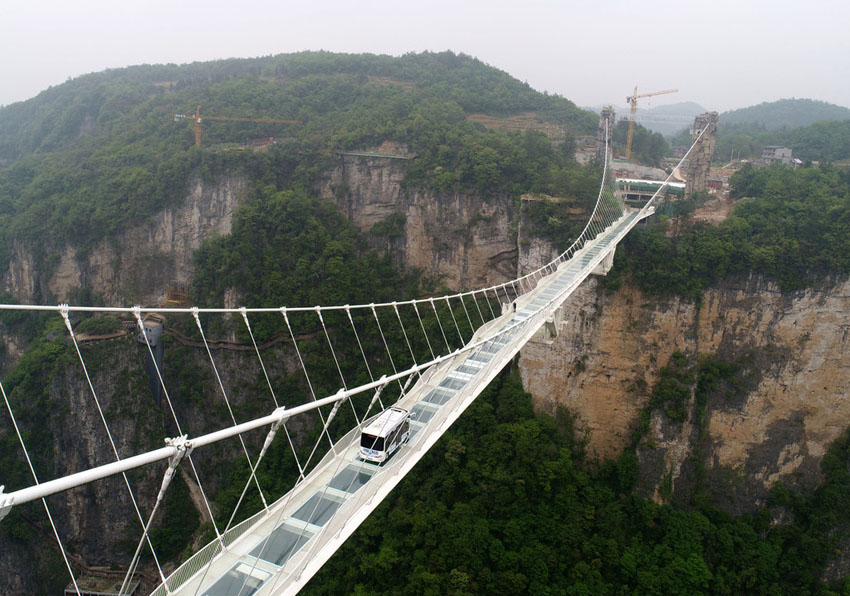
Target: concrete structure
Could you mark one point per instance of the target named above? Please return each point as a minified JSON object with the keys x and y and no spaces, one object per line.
{"x":773,"y":153}
{"x":633,"y":190}
{"x":153,"y":329}
{"x":606,"y":116}
{"x":699,"y":160}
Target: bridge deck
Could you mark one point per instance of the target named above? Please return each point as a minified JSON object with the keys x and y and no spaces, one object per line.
{"x":278,"y":551}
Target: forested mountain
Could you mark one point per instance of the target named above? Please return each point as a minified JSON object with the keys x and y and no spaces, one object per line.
{"x":110,"y":102}
{"x":87,"y":157}
{"x":88,"y":160}
{"x":509,"y":502}
{"x":821,"y":141}
{"x":786,"y":113}
{"x":794,"y":228}
{"x":815,"y":130}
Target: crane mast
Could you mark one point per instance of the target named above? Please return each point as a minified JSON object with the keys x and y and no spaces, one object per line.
{"x":632,"y":99}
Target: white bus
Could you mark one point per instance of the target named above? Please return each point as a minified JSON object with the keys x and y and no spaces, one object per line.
{"x":383,"y":434}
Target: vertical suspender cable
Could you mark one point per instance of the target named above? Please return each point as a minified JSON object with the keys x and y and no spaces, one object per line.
{"x":386,"y":346}
{"x":478,"y":308}
{"x":425,"y":333}
{"x":336,"y":362}
{"x":227,"y":402}
{"x":244,"y":312}
{"x":137,"y":311}
{"x":489,"y":306}
{"x":304,"y":368}
{"x":440,"y":323}
{"x":404,"y":333}
{"x":362,"y":352}
{"x":468,"y":318}
{"x":145,"y":536}
{"x":451,"y":312}
{"x":35,"y":479}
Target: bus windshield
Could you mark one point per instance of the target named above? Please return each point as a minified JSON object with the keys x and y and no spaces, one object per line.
{"x":372,"y":442}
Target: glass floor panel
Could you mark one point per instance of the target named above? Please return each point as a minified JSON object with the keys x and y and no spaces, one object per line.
{"x":479,"y":357}
{"x":421,"y":414}
{"x":238,"y":582}
{"x":281,"y":545}
{"x":452,"y":383}
{"x":317,"y":510}
{"x":350,"y":479}
{"x":438,"y":396}
{"x":468,"y":369}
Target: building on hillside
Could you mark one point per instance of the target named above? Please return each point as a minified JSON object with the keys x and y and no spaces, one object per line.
{"x":153,"y":329}
{"x":637,"y":192}
{"x":264,"y":142}
{"x":773,"y":153}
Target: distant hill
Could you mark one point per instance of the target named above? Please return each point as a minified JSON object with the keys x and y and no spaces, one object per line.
{"x":666,"y":120}
{"x":826,"y":140}
{"x":84,"y":159}
{"x":106,"y":104}
{"x":790,"y":113}
{"x":815,"y":130}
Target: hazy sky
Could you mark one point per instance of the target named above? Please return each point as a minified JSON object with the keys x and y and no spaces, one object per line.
{"x":722,"y":54}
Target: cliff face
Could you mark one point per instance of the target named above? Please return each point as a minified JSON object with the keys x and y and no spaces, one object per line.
{"x":97,"y":522}
{"x":460,"y":239}
{"x":463,"y":240}
{"x":134,"y":266}
{"x":93,"y":519}
{"x":791,"y":347}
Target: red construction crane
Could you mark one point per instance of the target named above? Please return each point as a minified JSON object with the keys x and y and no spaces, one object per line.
{"x":197,"y":120}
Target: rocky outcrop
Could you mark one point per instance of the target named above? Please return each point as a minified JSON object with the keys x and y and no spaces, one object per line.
{"x":463,"y":240}
{"x":133,"y":266}
{"x":460,"y":239}
{"x":792,"y":347}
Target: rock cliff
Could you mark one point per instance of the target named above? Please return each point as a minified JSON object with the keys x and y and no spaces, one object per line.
{"x":133,"y":266}
{"x":463,"y":240}
{"x":792,"y":348}
{"x":609,"y":347}
{"x":97,"y":522}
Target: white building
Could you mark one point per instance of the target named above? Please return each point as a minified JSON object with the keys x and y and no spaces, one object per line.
{"x":773,"y":153}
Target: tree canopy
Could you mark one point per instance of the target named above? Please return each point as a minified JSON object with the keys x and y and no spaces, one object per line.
{"x":506,"y":504}
{"x":85,"y":159}
{"x":794,"y":228}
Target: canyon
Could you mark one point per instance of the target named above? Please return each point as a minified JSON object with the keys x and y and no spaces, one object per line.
{"x":608,"y":352}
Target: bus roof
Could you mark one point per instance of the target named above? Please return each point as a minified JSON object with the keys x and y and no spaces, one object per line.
{"x":384,"y":422}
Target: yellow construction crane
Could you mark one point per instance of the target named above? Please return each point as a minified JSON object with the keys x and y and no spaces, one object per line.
{"x":197,"y":120}
{"x":632,"y":99}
